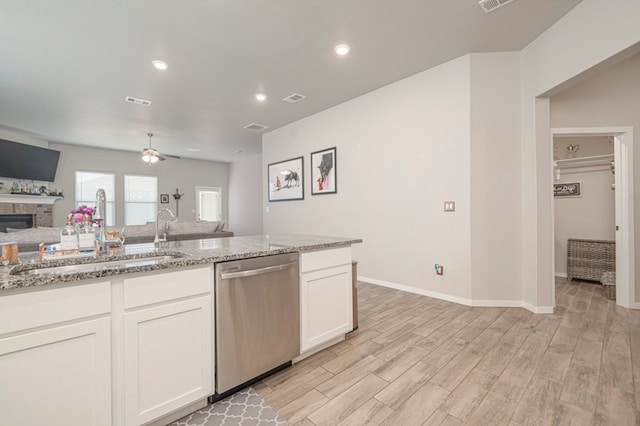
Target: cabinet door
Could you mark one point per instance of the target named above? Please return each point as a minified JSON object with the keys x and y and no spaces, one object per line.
{"x":326,"y":307}
{"x":58,"y":376}
{"x":167,"y":357}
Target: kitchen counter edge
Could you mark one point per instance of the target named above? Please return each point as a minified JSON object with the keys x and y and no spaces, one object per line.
{"x":198,"y":252}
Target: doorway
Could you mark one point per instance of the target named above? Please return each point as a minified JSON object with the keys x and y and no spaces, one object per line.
{"x":623,"y":181}
{"x":208,"y":203}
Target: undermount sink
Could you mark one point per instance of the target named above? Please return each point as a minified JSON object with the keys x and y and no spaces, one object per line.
{"x":153,"y":259}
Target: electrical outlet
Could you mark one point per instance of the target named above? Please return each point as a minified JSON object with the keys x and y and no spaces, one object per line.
{"x":449,"y":206}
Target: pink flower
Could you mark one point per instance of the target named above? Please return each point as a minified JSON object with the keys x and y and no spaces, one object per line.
{"x":81,"y":211}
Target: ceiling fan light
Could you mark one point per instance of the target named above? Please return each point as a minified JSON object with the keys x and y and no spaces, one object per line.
{"x":150,"y":155}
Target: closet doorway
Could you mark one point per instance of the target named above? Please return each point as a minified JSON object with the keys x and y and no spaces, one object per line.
{"x":566,"y":141}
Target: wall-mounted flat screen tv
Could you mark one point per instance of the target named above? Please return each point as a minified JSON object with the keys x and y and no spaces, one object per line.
{"x":20,"y":161}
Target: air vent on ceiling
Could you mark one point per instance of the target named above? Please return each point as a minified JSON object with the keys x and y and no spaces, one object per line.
{"x":292,"y":99}
{"x":137,"y":101}
{"x":491,"y":5}
{"x":255,"y":126}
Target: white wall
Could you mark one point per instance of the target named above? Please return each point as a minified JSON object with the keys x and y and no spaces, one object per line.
{"x":173,"y":173}
{"x":402,"y":151}
{"x":591,"y":216}
{"x":610,"y":98}
{"x":245,"y":196}
{"x":588,"y":35}
{"x":495,"y":177}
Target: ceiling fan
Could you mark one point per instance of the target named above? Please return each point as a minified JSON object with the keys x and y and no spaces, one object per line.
{"x":150,"y":155}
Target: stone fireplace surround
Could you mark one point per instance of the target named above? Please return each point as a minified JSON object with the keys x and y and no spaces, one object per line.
{"x":16,"y":221}
{"x":40,"y":207}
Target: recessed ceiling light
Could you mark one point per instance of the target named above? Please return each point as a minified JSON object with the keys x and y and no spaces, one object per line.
{"x":238,"y":151}
{"x":193,"y":149}
{"x":161,"y":65}
{"x":261,"y":97}
{"x":342,"y":49}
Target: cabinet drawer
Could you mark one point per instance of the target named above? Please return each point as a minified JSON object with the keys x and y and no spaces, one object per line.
{"x":45,"y":307}
{"x":164,"y":286}
{"x":322,"y":259}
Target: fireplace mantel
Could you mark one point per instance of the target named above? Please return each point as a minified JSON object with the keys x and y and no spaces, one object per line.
{"x":27,"y":199}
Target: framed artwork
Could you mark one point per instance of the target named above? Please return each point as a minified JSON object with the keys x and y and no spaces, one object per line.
{"x":567,"y":190}
{"x":323,"y":172}
{"x":164,"y":198}
{"x":286,"y":180}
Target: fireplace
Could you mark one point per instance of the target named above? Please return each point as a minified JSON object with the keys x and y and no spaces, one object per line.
{"x":16,"y":221}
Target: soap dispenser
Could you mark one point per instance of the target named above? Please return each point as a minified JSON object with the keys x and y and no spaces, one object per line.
{"x":87,"y":236}
{"x":68,"y":235}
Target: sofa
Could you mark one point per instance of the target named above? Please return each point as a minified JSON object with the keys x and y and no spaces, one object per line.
{"x":30,"y":239}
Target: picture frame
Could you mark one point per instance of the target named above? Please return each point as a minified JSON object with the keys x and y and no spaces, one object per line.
{"x":164,"y":198}
{"x":286,"y":180}
{"x":323,"y":172}
{"x":567,"y":190}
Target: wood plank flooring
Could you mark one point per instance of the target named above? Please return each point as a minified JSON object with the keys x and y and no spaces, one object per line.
{"x":421,"y":361}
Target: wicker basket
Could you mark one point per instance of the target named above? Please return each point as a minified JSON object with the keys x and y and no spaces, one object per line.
{"x":589,"y":259}
{"x":608,"y":280}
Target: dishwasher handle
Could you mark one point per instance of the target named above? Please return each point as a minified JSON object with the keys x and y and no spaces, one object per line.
{"x":253,"y":272}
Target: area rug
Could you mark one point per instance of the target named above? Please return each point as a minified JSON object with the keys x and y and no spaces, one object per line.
{"x":245,"y":408}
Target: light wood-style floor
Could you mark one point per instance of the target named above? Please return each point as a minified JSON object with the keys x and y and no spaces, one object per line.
{"x":421,"y":361}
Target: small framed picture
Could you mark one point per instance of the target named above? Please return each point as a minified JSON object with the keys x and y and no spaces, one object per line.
{"x":286,"y":180}
{"x":164,"y":198}
{"x":323,"y":172}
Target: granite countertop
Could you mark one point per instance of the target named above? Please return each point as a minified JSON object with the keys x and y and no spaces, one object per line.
{"x":187,"y":253}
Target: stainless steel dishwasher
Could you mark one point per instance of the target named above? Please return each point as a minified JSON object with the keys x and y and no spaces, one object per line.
{"x":257,"y":318}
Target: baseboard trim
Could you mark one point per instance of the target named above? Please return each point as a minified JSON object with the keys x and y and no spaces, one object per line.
{"x":561,"y":274}
{"x":428,"y":293}
{"x":537,"y":309}
{"x":460,"y":300}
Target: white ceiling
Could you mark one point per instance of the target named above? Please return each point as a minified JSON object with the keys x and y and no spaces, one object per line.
{"x":67,"y":65}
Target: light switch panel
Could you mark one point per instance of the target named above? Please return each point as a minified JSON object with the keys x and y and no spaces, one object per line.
{"x":449,"y":206}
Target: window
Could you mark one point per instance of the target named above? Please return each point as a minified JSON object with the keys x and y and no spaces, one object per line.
{"x":140,"y":199}
{"x":88,"y":183}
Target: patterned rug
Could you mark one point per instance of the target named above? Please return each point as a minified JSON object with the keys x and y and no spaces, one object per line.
{"x":245,"y":408}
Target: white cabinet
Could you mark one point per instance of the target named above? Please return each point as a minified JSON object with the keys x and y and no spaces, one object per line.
{"x":55,"y":357}
{"x":325,"y":296}
{"x":168,"y":342}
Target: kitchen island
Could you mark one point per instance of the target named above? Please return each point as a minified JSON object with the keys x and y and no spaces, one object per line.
{"x":128,"y":339}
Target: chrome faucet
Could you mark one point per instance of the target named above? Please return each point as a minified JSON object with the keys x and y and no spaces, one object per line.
{"x":157,"y":240}
{"x":100,"y":216}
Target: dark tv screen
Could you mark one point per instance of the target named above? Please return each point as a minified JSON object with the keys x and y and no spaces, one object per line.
{"x":20,"y":161}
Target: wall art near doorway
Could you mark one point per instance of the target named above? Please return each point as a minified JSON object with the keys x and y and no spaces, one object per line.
{"x":164,"y":198}
{"x":323,"y":172}
{"x":286,"y":180}
{"x":567,"y":190}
